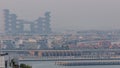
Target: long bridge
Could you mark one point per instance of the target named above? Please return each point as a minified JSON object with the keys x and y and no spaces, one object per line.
{"x":17,"y":50}
{"x":81,"y":52}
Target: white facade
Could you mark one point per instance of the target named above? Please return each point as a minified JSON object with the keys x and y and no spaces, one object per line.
{"x":2,"y":62}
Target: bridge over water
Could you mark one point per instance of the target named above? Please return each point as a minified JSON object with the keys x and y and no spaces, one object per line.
{"x":76,"y":53}
{"x":63,"y":50}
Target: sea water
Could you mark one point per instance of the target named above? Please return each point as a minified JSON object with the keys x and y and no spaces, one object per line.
{"x":51,"y":64}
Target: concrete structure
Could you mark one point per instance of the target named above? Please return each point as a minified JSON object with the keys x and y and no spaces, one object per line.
{"x":8,"y":61}
{"x":2,"y":62}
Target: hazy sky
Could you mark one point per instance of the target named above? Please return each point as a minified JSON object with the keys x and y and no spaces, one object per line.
{"x":69,"y":14}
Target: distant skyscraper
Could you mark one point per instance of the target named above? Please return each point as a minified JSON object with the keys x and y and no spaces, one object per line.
{"x":10,"y":22}
{"x":14,"y":26}
{"x":2,"y":22}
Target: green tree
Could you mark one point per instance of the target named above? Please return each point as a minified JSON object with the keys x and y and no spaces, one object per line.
{"x":25,"y":66}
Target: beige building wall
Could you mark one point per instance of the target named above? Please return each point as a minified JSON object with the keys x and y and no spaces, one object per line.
{"x":2,"y":62}
{"x":2,"y":28}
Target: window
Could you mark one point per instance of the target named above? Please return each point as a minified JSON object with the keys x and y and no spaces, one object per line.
{"x":17,"y":26}
{"x":27,"y":27}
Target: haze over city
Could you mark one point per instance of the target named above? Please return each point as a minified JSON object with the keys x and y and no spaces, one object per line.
{"x":59,"y":34}
{"x":69,"y":14}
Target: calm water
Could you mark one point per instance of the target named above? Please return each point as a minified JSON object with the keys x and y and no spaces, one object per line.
{"x":51,"y":64}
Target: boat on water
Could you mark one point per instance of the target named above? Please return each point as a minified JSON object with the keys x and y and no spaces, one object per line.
{"x":89,"y":62}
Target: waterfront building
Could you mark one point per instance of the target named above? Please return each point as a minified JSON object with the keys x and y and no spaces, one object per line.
{"x":4,"y":60}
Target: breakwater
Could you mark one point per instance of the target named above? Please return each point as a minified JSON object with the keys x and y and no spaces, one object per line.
{"x":63,"y":58}
{"x":88,"y":62}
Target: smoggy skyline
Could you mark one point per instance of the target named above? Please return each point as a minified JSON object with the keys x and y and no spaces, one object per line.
{"x":69,"y":14}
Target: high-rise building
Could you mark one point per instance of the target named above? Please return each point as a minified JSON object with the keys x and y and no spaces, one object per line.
{"x":10,"y":22}
{"x":2,"y":28}
{"x":14,"y":26}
